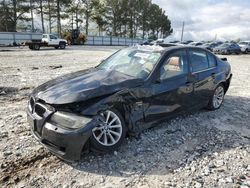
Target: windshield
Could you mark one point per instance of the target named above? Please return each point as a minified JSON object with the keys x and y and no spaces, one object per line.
{"x":134,"y":62}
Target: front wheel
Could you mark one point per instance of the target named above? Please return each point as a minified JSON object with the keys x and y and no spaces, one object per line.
{"x":62,"y":45}
{"x":109,"y":134}
{"x":217,"y":99}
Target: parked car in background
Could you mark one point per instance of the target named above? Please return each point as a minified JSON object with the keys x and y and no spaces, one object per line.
{"x":158,"y":41}
{"x":174,"y":41}
{"x":146,"y":42}
{"x":210,"y":46}
{"x":195,"y":43}
{"x":227,"y":48}
{"x":48,"y":40}
{"x":244,"y":46}
{"x":130,"y":91}
{"x":186,"y":42}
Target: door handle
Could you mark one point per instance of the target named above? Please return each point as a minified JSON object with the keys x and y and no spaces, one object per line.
{"x":213,"y":75}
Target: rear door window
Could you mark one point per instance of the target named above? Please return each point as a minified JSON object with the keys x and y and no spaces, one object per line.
{"x":198,"y":60}
{"x":211,"y":60}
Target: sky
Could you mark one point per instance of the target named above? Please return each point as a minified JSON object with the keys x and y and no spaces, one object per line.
{"x":208,"y":19}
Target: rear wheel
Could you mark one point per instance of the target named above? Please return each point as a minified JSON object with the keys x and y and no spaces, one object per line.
{"x":109,"y":133}
{"x":217,"y":99}
{"x":36,"y":47}
{"x":31,"y":47}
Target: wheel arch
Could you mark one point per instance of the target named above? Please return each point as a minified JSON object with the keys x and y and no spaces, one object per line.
{"x":62,"y":42}
{"x":225,"y":83}
{"x":114,"y":101}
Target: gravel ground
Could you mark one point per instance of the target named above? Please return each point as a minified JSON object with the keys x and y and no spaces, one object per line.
{"x":203,"y":149}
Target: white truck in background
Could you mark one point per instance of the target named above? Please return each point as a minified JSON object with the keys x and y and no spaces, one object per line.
{"x":48,"y":40}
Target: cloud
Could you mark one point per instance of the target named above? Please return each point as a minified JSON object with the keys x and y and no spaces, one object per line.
{"x":207,"y":19}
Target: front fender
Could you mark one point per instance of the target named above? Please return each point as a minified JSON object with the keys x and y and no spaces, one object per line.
{"x":106,"y":103}
{"x":126,"y":102}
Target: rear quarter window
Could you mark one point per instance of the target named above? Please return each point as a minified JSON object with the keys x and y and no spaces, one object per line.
{"x":198,"y":60}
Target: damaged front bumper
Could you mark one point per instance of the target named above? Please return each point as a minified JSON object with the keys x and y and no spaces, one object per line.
{"x":66,"y":143}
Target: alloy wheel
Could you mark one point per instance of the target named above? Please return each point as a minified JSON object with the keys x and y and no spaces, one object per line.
{"x":218,"y":97}
{"x":109,"y":131}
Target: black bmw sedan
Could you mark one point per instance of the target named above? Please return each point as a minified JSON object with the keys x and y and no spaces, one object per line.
{"x":131,"y":90}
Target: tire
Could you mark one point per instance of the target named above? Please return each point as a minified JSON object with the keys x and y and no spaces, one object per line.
{"x":56,"y":47}
{"x":217,"y":99}
{"x":62,"y":45}
{"x":31,"y":47}
{"x":108,"y":137}
{"x":36,"y":47}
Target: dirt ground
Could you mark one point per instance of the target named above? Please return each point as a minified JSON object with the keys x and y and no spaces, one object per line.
{"x":204,"y":149}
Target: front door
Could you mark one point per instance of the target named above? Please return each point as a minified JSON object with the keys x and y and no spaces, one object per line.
{"x":53,"y":40}
{"x":173,"y":92}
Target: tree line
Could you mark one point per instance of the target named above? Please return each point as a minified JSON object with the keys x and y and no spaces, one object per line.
{"x":124,"y":18}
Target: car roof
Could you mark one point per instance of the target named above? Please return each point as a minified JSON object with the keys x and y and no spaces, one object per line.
{"x":183,"y":47}
{"x":169,"y":48}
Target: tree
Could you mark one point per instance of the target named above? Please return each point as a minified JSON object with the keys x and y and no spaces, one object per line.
{"x":40,"y":10}
{"x":31,"y":15}
{"x":74,"y":12}
{"x":13,"y":11}
{"x":131,"y":18}
{"x":98,"y":15}
{"x":88,"y":6}
{"x":159,"y":24}
{"x":50,"y":13}
{"x":60,"y":5}
{"x":144,"y":17}
{"x":114,"y":12}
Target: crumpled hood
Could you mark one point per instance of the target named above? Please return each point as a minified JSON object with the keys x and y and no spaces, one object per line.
{"x":83,"y":85}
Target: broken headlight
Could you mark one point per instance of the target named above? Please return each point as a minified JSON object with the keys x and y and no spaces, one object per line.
{"x":69,"y":120}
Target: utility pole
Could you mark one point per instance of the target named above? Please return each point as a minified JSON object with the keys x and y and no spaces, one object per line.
{"x":183,"y":24}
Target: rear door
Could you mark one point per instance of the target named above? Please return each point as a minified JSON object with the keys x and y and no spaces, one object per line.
{"x":203,"y":71}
